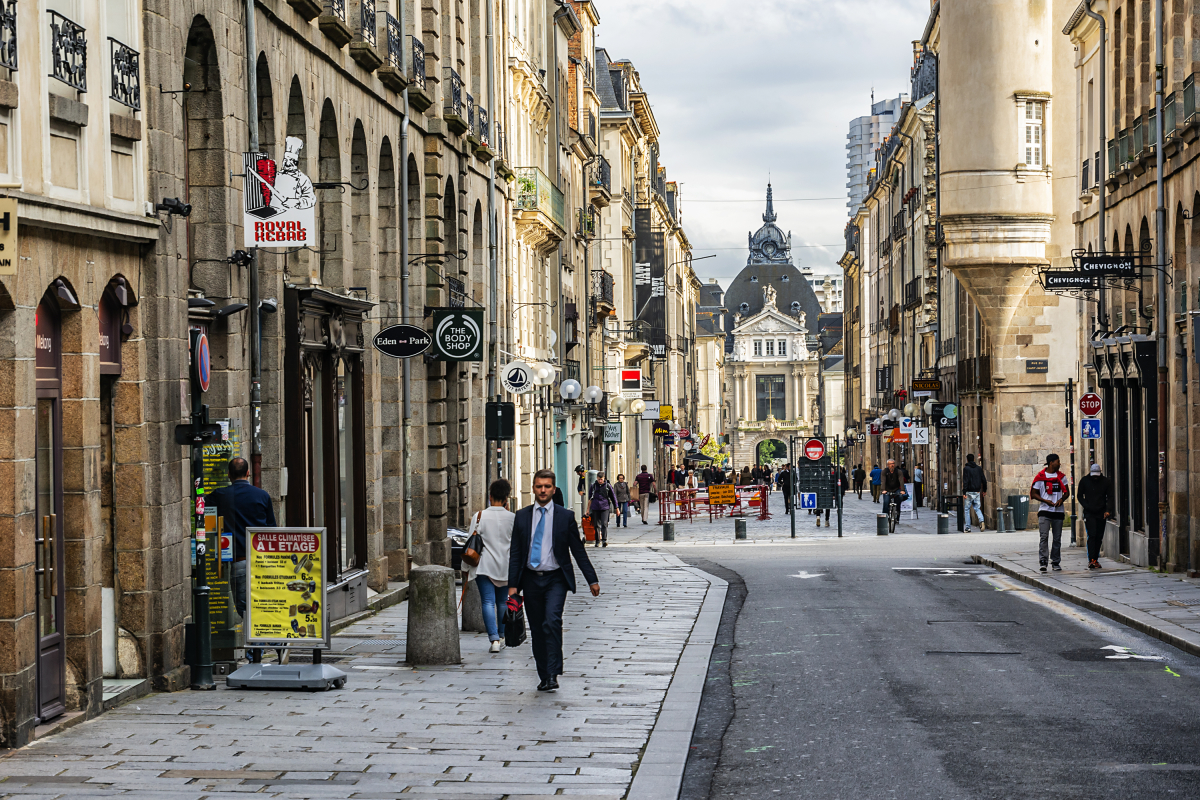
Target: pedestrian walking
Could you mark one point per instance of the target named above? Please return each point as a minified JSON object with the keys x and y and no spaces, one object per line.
{"x":581,"y":487}
{"x":495,"y":526}
{"x":860,"y":475}
{"x":1095,"y":494}
{"x":876,"y":472}
{"x":601,"y":502}
{"x":621,"y":490}
{"x":785,"y":485}
{"x":544,"y":540}
{"x":918,"y":486}
{"x":680,"y":477}
{"x":645,"y":485}
{"x":744,"y":478}
{"x":707,"y":475}
{"x":974,"y":484}
{"x":242,"y":505}
{"x":1051,"y":489}
{"x":692,"y":481}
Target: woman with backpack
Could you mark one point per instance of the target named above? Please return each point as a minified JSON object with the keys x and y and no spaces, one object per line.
{"x":601,"y":502}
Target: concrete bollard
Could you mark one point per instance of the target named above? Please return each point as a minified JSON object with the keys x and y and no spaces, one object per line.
{"x":1003,"y":519}
{"x":881,"y":525}
{"x":472,"y":609}
{"x":432,"y":617}
{"x":943,"y":525}
{"x":668,"y":531}
{"x":739,"y":529}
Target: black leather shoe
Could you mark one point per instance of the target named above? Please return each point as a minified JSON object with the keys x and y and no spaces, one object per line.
{"x":543,"y":686}
{"x":551,"y":686}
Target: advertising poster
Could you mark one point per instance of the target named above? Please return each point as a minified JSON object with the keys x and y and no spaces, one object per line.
{"x":216,"y":456}
{"x":649,"y":280}
{"x":285,"y":580}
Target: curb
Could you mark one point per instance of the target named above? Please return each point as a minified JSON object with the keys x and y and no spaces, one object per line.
{"x":1174,"y":635}
{"x":660,"y":770}
{"x":376,"y":604}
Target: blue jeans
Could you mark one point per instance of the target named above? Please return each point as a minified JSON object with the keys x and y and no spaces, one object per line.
{"x":972,"y":501}
{"x":623,"y":515}
{"x":494,"y":599}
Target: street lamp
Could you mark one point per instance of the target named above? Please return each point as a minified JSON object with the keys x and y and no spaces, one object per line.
{"x":637,"y":406}
{"x":570,"y":390}
{"x":910,"y":409}
{"x":543,"y":373}
{"x":928,"y":407}
{"x":593,"y":395}
{"x":619,"y":404}
{"x":894,"y":414}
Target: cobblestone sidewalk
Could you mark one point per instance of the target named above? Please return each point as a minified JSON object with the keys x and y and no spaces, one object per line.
{"x":1166,"y":606}
{"x":477,"y":731}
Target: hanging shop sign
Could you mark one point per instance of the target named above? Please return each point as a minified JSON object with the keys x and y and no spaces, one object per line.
{"x":660,"y":428}
{"x":402,"y":341}
{"x":652,"y":411}
{"x":285,"y":588}
{"x":8,"y":236}
{"x":280,"y":202}
{"x":926,"y":385}
{"x":1109,"y":266}
{"x":517,"y":377}
{"x":946,"y":415}
{"x":631,"y":381}
{"x":612,"y":433}
{"x":666,"y":412}
{"x":458,"y":334}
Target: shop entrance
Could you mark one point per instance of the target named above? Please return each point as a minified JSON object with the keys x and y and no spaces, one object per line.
{"x":48,"y":539}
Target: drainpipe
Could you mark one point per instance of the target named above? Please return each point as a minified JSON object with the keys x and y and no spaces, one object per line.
{"x":1100,"y":178}
{"x":405,"y":369}
{"x":1161,"y":224}
{"x":253,"y":301}
{"x":493,"y":280}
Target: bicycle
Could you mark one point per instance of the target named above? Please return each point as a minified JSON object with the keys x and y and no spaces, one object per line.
{"x":893,"y":512}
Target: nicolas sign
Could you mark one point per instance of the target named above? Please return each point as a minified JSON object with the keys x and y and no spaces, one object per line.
{"x":402,"y":341}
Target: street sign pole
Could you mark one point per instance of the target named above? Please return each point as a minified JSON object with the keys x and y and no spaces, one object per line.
{"x":838,"y":472}
{"x":792,"y":480}
{"x":1075,"y":533}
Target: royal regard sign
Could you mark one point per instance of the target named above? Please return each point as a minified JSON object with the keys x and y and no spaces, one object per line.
{"x":458,"y":334}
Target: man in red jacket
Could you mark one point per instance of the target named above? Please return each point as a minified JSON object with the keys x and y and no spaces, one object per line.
{"x":1051,"y":490}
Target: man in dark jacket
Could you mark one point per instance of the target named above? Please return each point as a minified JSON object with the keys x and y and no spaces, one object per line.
{"x":1095,"y":494}
{"x":892,"y":482}
{"x":974,"y":486}
{"x":785,"y":485}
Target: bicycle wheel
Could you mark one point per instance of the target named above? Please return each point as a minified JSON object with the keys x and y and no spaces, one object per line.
{"x":892,"y":515}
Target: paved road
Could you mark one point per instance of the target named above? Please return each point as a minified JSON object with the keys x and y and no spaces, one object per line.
{"x":889,"y":668}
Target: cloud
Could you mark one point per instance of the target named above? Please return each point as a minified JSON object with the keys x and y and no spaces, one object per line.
{"x":742,"y":90}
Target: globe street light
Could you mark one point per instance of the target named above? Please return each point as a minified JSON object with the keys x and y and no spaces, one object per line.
{"x":593,"y":395}
{"x":619,"y":404}
{"x":570,"y":390}
{"x":637,"y":406}
{"x":929,"y":406}
{"x":910,"y":409}
{"x":894,"y":414}
{"x":543,"y":373}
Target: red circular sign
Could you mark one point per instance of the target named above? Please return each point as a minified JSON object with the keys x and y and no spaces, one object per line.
{"x":684,"y":433}
{"x":1090,"y":404}
{"x":814,"y":449}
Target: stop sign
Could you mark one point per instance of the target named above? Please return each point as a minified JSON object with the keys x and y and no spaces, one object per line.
{"x":814,"y":449}
{"x":1090,"y":404}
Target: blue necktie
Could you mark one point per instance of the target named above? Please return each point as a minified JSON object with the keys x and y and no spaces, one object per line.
{"x":535,"y":549}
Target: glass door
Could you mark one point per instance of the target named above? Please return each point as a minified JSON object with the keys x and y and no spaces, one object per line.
{"x":49,"y":560}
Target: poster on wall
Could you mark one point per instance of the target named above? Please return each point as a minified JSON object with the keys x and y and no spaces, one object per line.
{"x":285,"y":588}
{"x":280,"y":202}
{"x":649,"y":281}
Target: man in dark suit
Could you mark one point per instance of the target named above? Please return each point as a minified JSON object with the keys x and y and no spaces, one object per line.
{"x":544,"y":538}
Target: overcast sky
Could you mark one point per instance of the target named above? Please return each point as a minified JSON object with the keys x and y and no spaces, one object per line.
{"x":746,"y":89}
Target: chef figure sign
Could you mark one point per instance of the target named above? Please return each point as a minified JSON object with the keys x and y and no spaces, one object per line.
{"x":280,"y":201}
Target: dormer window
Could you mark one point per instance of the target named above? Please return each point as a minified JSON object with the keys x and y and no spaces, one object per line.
{"x":795,"y":306}
{"x":784,"y":279}
{"x":744,"y":307}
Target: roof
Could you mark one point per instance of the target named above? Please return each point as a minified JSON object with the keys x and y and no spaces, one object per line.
{"x":604,"y":83}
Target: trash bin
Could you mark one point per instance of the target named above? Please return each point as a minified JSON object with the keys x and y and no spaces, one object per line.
{"x":1020,"y":511}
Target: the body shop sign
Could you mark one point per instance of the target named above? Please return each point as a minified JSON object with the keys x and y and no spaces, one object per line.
{"x":458,"y":334}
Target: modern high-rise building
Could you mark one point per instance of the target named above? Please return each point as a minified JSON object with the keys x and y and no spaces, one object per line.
{"x":863,"y":140}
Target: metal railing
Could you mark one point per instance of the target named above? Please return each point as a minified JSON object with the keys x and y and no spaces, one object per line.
{"x":589,"y":73}
{"x":501,"y":147}
{"x":1138,"y":138}
{"x":1123,"y":147}
{"x":912,"y":293}
{"x":366,"y":21}
{"x":602,"y":175}
{"x":68,"y":51}
{"x":536,"y":192}
{"x":126,"y":75}
{"x":570,"y":369}
{"x":1085,"y":178}
{"x":1189,"y":98}
{"x":585,"y":223}
{"x":454,"y":93}
{"x":470,"y":114}
{"x":949,"y":346}
{"x":481,"y":130}
{"x":591,"y":126}
{"x":898,"y":229}
{"x":1169,"y":116}
{"x":8,"y":34}
{"x":602,"y":287}
{"x":418,"y":62}
{"x":457,"y":293}
{"x":337,"y":8}
{"x":395,"y":43}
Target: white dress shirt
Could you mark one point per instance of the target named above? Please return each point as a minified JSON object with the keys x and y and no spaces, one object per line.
{"x":547,"y":562}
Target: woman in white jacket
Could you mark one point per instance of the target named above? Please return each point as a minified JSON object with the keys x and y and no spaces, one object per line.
{"x":495,"y":525}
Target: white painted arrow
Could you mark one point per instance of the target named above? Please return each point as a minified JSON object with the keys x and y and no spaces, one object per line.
{"x":1122,"y":653}
{"x":803,"y":574}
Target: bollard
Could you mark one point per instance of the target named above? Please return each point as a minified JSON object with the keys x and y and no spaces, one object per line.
{"x":472,"y":608}
{"x":432,"y":617}
{"x":881,"y":523}
{"x":668,"y":531}
{"x":1008,"y":519}
{"x":943,"y":526}
{"x":1001,"y":521}
{"x":739,"y":529}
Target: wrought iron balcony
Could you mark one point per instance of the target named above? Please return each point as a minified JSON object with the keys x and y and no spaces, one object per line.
{"x":453,"y":110}
{"x":898,"y":229}
{"x":332,"y":23}
{"x":481,"y":126}
{"x":602,"y":175}
{"x":536,"y":192}
{"x":602,"y":288}
{"x":418,"y":63}
{"x":1170,"y":116}
{"x":8,"y":34}
{"x":1085,"y":177}
{"x":395,"y":42}
{"x":68,"y":51}
{"x":912,"y":293}
{"x":1189,"y":98}
{"x":336,"y":8}
{"x":126,"y":75}
{"x":470,"y":115}
{"x":501,"y":143}
{"x":570,"y":369}
{"x":585,"y":223}
{"x":366,"y":21}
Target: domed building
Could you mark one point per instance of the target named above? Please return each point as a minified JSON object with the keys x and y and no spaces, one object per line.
{"x":772,"y":375}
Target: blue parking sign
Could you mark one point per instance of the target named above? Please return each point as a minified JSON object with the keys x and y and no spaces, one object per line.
{"x":808,"y":499}
{"x":1089,"y":428}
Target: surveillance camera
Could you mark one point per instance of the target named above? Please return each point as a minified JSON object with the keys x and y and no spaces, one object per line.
{"x":175,"y":206}
{"x":268,"y":305}
{"x":240,"y":258}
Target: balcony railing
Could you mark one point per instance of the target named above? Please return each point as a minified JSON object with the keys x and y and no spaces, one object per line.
{"x":1123,"y":148}
{"x":457,"y":293}
{"x":898,"y":229}
{"x":912,"y":293}
{"x":1169,"y":116}
{"x":366,"y":21}
{"x":602,"y":175}
{"x":501,"y":147}
{"x":68,"y":51}
{"x":536,"y":192}
{"x":1189,"y":98}
{"x":602,"y":287}
{"x":1113,"y":166}
{"x":589,"y":73}
{"x":949,"y":346}
{"x":395,"y":43}
{"x":585,"y":223}
{"x":336,"y":8}
{"x":1085,"y":178}
{"x":591,"y":126}
{"x":418,"y":63}
{"x":1096,"y":171}
{"x":570,"y":369}
{"x":126,"y":75}
{"x":1138,"y":139}
{"x":454,"y":93}
{"x":481,"y":125}
{"x":8,"y":34}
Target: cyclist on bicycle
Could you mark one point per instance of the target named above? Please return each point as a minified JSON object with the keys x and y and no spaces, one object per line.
{"x":893,"y":485}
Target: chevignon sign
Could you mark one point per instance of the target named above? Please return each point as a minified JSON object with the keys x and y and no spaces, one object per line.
{"x":402,"y":341}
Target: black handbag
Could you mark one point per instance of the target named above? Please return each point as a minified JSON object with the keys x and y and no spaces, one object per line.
{"x":514,"y":622}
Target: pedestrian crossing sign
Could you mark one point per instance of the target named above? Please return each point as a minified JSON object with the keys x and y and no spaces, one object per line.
{"x":808,"y":499}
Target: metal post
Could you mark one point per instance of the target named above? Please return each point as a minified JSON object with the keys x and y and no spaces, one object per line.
{"x":1161,"y":226}
{"x":253,"y":298}
{"x":202,"y":670}
{"x":838,"y":471}
{"x":1075,"y":535}
{"x":792,"y":476}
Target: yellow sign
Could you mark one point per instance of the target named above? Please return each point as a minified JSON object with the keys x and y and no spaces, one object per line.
{"x":722,"y":495}
{"x":285,"y":574}
{"x":666,"y":412}
{"x":8,"y":236}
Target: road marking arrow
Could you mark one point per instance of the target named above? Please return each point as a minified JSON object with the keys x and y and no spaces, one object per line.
{"x":803,"y":574}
